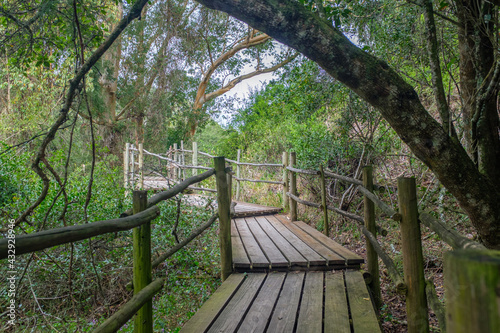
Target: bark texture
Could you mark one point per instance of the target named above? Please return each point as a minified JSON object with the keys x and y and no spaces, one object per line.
{"x":374,"y":81}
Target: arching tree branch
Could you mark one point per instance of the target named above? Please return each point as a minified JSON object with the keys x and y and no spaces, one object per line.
{"x":74,"y":85}
{"x":231,"y":84}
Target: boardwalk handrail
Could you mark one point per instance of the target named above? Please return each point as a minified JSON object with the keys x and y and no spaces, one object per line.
{"x":120,"y":317}
{"x":448,"y":235}
{"x":176,"y":164}
{"x":176,"y":189}
{"x":58,"y":236}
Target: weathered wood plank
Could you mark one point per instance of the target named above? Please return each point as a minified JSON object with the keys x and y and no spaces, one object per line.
{"x":272,"y":253}
{"x":214,"y":305}
{"x":285,"y":312}
{"x":311,"y":306}
{"x":292,"y":255}
{"x":233,"y":313}
{"x":255,"y":254}
{"x":332,"y":257}
{"x":362,"y":312}
{"x":240,"y":257}
{"x":336,"y":311}
{"x":260,"y":312}
{"x":244,"y":209}
{"x":351,"y":257}
{"x":313,"y":258}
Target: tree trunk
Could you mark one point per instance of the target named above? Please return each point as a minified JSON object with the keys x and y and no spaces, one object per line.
{"x":110,"y":84}
{"x":477,"y":60}
{"x":375,"y":82}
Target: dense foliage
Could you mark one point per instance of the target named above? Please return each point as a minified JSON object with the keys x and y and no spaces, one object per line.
{"x":159,"y":82}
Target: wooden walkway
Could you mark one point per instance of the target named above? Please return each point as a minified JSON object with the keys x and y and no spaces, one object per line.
{"x":299,"y":302}
{"x":272,"y":242}
{"x":288,"y":278}
{"x":243,"y":209}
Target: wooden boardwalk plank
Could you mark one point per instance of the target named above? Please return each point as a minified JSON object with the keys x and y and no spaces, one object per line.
{"x":291,"y":254}
{"x":332,"y":257}
{"x":351,"y":257}
{"x":244,"y":209}
{"x":285,"y":312}
{"x":336,"y":311}
{"x":233,"y":313}
{"x":363,"y":315}
{"x":214,"y":305}
{"x":258,"y":316}
{"x":311,"y":306}
{"x":255,"y":254}
{"x":240,"y":257}
{"x":272,"y":253}
{"x":313,"y":258}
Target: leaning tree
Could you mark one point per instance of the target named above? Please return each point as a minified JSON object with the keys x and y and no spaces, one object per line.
{"x":472,"y":175}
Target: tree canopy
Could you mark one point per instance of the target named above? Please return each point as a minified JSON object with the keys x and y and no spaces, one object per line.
{"x":128,"y":79}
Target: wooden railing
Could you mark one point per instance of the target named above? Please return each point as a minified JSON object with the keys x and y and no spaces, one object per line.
{"x":470,"y":261}
{"x":139,"y":219}
{"x":175,"y":158}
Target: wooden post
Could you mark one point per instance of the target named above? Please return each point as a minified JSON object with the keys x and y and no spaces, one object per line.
{"x":286,"y":202}
{"x":183,"y":161}
{"x":230,"y":186}
{"x":169,"y":170}
{"x":176,"y":155}
{"x":132,"y":163}
{"x":142,"y":263}
{"x":141,"y":167}
{"x":413,"y":264}
{"x":126,"y":165}
{"x":472,"y":289}
{"x":323,"y":201}
{"x":293,"y":187}
{"x":371,"y":254}
{"x":238,"y":174}
{"x":195,"y":157}
{"x":224,"y":204}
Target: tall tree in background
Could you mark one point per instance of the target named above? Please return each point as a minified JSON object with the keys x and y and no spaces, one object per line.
{"x":167,"y":61}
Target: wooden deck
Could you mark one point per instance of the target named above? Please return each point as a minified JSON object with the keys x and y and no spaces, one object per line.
{"x":299,"y":302}
{"x":272,"y":242}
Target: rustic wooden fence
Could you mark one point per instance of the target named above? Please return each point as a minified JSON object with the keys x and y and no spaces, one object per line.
{"x":176,"y":166}
{"x":139,"y":219}
{"x":472,"y":273}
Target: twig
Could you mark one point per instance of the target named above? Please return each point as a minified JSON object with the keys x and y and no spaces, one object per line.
{"x":40,"y":308}
{"x":29,"y":140}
